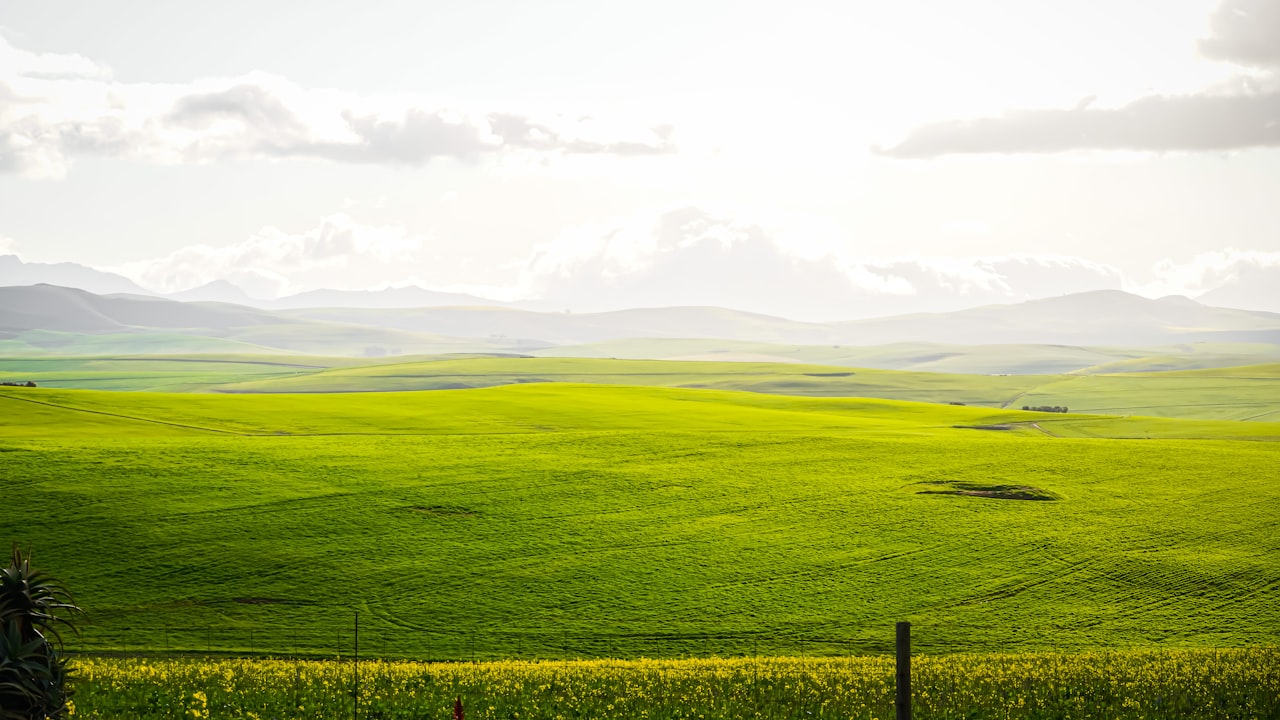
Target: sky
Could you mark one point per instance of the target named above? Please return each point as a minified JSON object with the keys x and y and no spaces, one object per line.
{"x":817,"y":160}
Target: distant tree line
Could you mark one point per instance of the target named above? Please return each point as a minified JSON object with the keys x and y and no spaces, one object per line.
{"x":29,"y":383}
{"x":1045,"y":408}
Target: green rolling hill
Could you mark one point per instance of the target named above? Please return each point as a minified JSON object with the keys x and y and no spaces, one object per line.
{"x":1017,"y":359}
{"x":541,"y":519}
{"x":1248,"y":393}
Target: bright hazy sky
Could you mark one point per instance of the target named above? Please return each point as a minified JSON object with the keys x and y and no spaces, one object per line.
{"x":822,"y":160}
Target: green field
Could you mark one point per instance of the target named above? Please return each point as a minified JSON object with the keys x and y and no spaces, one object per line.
{"x":1248,"y":393}
{"x":551,"y":519}
{"x":1022,"y":359}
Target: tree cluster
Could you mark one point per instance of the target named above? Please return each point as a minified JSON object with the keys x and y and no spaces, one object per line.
{"x":1046,"y":408}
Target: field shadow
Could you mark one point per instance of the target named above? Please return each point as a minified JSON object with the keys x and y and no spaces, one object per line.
{"x":994,"y":491}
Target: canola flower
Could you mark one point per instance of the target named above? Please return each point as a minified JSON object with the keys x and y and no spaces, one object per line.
{"x":1147,"y":685}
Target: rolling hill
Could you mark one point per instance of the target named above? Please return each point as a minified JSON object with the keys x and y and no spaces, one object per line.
{"x":1247,"y":393}
{"x":542,"y":519}
{"x":70,"y":321}
{"x":1094,"y":318}
{"x":1103,"y":317}
{"x":1039,"y":337}
{"x":1022,"y":359}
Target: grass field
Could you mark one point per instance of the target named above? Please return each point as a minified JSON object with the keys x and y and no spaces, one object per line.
{"x":1214,"y":394}
{"x":1181,"y":685}
{"x":1025,"y":359}
{"x":1248,"y":393}
{"x":539,"y":520}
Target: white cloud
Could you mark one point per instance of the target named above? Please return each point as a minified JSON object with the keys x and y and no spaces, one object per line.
{"x":338,"y":253}
{"x":694,"y":257}
{"x":8,"y":246}
{"x":1157,"y":123}
{"x":1246,"y":279}
{"x":1243,"y":113}
{"x":56,"y":107}
{"x":50,"y":66}
{"x":1205,"y":272}
{"x":1246,"y":32}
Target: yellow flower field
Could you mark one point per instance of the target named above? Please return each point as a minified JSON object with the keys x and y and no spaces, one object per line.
{"x":1217,"y":684}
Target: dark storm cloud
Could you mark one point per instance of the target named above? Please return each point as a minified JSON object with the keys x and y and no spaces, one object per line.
{"x":1246,"y":32}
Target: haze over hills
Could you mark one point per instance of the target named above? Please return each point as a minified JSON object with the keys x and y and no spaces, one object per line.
{"x":541,"y":329}
{"x":399,"y":297}
{"x":71,"y":321}
{"x":1255,"y":288}
{"x":1018,"y":359}
{"x":1105,"y":317}
{"x":16,"y":273}
{"x":1101,"y":317}
{"x":1249,"y":287}
{"x":46,"y":318}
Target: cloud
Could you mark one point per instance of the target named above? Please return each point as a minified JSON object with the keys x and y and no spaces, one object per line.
{"x":56,"y":107}
{"x":1246,"y":115}
{"x":8,"y":246}
{"x":1206,"y":271}
{"x":775,"y":265}
{"x":50,"y":66}
{"x":691,"y":256}
{"x":1229,"y":278}
{"x":1156,"y":123}
{"x":1245,"y":32}
{"x":338,"y":253}
{"x":999,"y":278}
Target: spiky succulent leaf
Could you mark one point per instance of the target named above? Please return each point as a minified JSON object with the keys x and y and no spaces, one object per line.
{"x":32,"y":676}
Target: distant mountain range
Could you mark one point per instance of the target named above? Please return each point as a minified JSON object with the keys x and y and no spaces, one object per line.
{"x":61,"y":319}
{"x":53,"y":319}
{"x":1252,"y":289}
{"x":1101,"y":317}
{"x":14,"y":273}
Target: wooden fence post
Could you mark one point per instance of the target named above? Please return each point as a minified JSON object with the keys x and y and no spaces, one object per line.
{"x":904,"y":671}
{"x":355,"y":688}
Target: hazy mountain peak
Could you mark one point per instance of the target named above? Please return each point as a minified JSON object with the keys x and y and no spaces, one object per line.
{"x":410,"y":296}
{"x":15,"y":272}
{"x":1179,"y":300}
{"x":217,"y":291}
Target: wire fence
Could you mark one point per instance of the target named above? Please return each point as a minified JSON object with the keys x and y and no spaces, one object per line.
{"x":340,"y":641}
{"x":1187,"y":685}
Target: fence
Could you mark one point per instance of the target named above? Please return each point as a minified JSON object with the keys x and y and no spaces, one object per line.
{"x":768,"y":688}
{"x":1183,"y":684}
{"x":380,"y":641}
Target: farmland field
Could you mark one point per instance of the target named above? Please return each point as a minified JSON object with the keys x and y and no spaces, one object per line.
{"x":1152,"y":685}
{"x":560,"y":520}
{"x":1238,"y":393}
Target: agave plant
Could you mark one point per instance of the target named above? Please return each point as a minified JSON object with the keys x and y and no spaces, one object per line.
{"x":33,"y":675}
